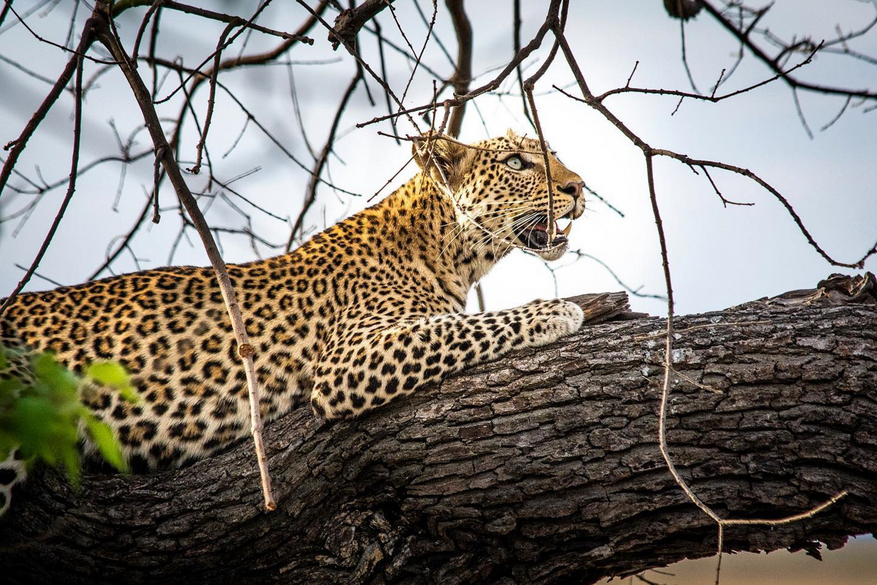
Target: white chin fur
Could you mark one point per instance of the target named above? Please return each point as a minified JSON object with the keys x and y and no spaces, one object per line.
{"x":553,"y":253}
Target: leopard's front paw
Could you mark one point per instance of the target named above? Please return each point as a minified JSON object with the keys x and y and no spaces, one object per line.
{"x":553,"y":320}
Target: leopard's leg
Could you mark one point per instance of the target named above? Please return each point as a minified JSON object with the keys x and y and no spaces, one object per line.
{"x":12,"y":473}
{"x":16,"y":368}
{"x":365,"y":367}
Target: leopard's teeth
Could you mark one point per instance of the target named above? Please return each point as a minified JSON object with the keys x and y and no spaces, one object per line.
{"x":565,"y":231}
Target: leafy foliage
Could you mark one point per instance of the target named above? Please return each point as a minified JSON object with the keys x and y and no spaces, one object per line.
{"x":41,"y":412}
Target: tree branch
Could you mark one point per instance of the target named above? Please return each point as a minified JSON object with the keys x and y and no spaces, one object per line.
{"x":349,"y":22}
{"x":16,"y":147}
{"x":71,"y":184}
{"x":463,"y":69}
{"x":542,"y":467}
{"x":164,"y":153}
{"x":774,"y":63}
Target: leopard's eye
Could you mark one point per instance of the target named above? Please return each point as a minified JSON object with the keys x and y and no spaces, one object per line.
{"x":515,"y":162}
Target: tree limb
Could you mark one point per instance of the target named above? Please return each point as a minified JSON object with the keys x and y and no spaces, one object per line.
{"x":350,"y":21}
{"x":542,"y":467}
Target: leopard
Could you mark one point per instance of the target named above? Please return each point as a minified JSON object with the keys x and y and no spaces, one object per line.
{"x":363,"y":313}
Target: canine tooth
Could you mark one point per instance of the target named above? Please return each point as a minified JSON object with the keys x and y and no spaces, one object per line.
{"x":567,"y":229}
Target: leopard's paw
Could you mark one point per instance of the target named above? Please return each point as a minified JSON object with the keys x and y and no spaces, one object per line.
{"x":553,"y":320}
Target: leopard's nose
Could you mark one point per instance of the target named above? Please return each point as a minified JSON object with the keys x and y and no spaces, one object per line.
{"x":573,"y":188}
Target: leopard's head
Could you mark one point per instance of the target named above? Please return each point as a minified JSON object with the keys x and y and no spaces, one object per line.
{"x":498,"y":188}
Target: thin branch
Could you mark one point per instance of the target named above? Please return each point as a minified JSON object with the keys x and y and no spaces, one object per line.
{"x":552,"y":228}
{"x":725,"y":202}
{"x":323,"y":158}
{"x":235,"y":21}
{"x":698,"y":96}
{"x":5,"y":11}
{"x":126,"y":240}
{"x":351,"y":49}
{"x":463,"y":68}
{"x":244,"y":25}
{"x":685,"y":57}
{"x":383,"y":61}
{"x":163,"y":150}
{"x":38,"y":275}
{"x":525,"y":52}
{"x":602,"y":200}
{"x":634,"y":291}
{"x":71,"y":186}
{"x":516,"y":41}
{"x":777,"y":195}
{"x":16,"y":147}
{"x":438,"y":41}
{"x":77,"y":52}
{"x":774,"y":63}
{"x":211,"y":98}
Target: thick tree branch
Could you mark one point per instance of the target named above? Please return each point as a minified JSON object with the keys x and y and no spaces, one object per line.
{"x":350,"y":21}
{"x":542,"y":467}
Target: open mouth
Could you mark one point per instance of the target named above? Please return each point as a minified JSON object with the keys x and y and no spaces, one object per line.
{"x":533,"y":232}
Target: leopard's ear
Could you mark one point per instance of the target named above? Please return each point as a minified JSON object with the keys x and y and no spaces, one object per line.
{"x":445,"y":160}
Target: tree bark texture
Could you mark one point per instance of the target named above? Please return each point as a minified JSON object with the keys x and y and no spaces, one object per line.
{"x":542,"y":467}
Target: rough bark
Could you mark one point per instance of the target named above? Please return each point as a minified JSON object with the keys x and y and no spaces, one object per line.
{"x":542,"y":467}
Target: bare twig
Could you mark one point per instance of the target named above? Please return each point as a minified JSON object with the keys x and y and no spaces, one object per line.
{"x":77,"y":52}
{"x":163,"y":150}
{"x":774,"y":62}
{"x":463,"y":68}
{"x":126,"y":239}
{"x":516,"y":39}
{"x":712,"y":97}
{"x":211,"y":98}
{"x":16,"y":147}
{"x":323,"y":158}
{"x":777,"y":195}
{"x":71,"y":186}
{"x":552,"y":228}
{"x":633,"y":291}
{"x":534,"y":44}
{"x":235,"y":21}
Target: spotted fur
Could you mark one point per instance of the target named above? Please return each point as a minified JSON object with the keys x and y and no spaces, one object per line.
{"x":366,"y":311}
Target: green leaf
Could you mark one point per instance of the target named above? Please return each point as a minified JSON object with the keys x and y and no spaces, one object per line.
{"x":10,"y":390}
{"x":58,"y":379}
{"x":114,"y":375}
{"x":108,"y":374}
{"x":41,"y":412}
{"x":38,"y":424}
{"x":106,"y":442}
{"x":70,"y":456}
